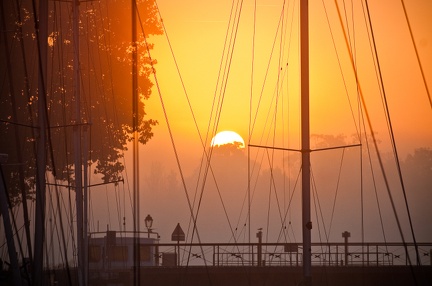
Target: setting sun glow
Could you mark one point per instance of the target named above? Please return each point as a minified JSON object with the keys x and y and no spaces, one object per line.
{"x":227,"y":137}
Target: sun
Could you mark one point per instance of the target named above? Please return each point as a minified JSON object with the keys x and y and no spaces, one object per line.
{"x":227,"y":137}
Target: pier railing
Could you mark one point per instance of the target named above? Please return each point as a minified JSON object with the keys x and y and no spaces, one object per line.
{"x":290,"y":254}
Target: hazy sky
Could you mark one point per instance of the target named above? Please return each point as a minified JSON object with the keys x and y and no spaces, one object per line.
{"x":239,"y":63}
{"x":197,"y":31}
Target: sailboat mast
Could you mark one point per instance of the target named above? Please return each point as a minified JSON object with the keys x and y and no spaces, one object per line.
{"x":135,"y":150}
{"x":39,"y":235}
{"x":305,"y":135}
{"x":77,"y":144}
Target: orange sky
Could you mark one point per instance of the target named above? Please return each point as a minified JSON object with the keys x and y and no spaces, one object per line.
{"x":197,"y":30}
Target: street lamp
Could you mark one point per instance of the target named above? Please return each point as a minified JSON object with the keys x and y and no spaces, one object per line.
{"x":148,"y":223}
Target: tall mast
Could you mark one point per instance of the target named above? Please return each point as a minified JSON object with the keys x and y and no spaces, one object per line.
{"x":39,"y":235}
{"x":135,"y":155}
{"x":305,"y":148}
{"x":77,"y":144}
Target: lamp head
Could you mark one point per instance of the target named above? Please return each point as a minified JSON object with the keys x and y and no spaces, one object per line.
{"x":148,"y":221}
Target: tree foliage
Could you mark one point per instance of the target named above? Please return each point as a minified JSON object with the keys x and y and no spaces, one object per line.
{"x":106,"y":92}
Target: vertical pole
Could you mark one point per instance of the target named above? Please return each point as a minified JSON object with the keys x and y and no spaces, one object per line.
{"x":259,"y":235}
{"x":39,"y":236}
{"x":377,"y":255}
{"x":77,"y":144}
{"x":178,"y":253}
{"x":4,"y":211}
{"x":304,"y":73}
{"x":368,"y":254}
{"x":345,"y":235}
{"x":135,"y":150}
{"x":337,"y":255}
{"x":85,"y":205}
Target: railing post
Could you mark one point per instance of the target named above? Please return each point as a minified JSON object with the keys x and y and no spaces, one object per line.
{"x":367,"y":254}
{"x":345,"y":235}
{"x":259,"y":235}
{"x":377,"y":255}
{"x":337,"y":255}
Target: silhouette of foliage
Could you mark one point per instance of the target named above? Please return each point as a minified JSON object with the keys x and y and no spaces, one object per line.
{"x":228,"y":150}
{"x":106,"y":92}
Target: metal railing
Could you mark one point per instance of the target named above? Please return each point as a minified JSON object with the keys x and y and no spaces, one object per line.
{"x":290,"y":254}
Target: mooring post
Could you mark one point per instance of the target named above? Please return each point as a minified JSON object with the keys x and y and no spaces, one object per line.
{"x":345,"y":235}
{"x":259,"y":235}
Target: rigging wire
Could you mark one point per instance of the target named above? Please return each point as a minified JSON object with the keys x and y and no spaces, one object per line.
{"x":221,"y":97}
{"x":392,"y":137}
{"x":336,"y":193}
{"x":417,"y":54}
{"x":170,"y":131}
{"x":373,"y":137}
{"x":57,"y":212}
{"x":9,"y":75}
{"x":27,"y":92}
{"x":206,"y":155}
{"x":252,"y":123}
{"x":340,"y":64}
{"x":249,"y":123}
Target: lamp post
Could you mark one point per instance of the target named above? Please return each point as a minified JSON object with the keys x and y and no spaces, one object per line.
{"x":148,"y":223}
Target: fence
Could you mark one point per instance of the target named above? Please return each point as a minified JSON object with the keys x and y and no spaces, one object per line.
{"x":290,"y":254}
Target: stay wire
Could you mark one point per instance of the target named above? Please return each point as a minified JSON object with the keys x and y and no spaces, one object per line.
{"x":340,"y":64}
{"x":195,"y":121}
{"x":222,"y":91}
{"x":250,"y":121}
{"x":266,"y":75}
{"x":170,"y":132}
{"x":336,"y":193}
{"x":417,"y":54}
{"x":27,"y":91}
{"x":367,"y":140}
{"x":221,"y":97}
{"x":57,"y":212}
{"x":393,"y":141}
{"x":12,"y":95}
{"x":373,"y":137}
{"x":206,"y":155}
{"x":251,"y":128}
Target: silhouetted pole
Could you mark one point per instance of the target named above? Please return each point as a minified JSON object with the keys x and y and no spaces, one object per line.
{"x":178,"y":235}
{"x":345,"y":235}
{"x":39,"y":235}
{"x":4,"y":211}
{"x":259,"y":235}
{"x":135,"y":149}
{"x":77,"y":145}
{"x":304,"y":73}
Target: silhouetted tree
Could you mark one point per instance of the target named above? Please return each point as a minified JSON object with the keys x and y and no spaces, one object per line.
{"x":106,"y":92}
{"x":417,"y":170}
